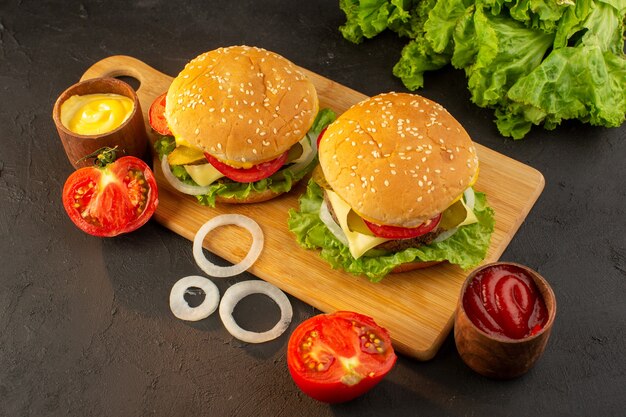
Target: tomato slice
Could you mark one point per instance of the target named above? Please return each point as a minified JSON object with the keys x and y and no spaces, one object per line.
{"x":156,"y":116}
{"x":319,"y":137}
{"x":396,"y":232}
{"x":256,"y":173}
{"x":338,"y":357}
{"x":118,"y":198}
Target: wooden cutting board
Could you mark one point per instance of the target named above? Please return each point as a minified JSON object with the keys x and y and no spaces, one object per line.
{"x":416,"y":307}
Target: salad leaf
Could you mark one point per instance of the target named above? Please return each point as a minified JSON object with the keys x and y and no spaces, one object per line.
{"x":466,"y":248}
{"x":535,"y":62}
{"x":367,"y":18}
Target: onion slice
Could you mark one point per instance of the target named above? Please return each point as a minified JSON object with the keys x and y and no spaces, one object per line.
{"x":222,"y":220}
{"x":242,"y":289}
{"x":334,"y":228}
{"x":470,"y":198}
{"x":445,"y":234}
{"x":178,"y":184}
{"x":181,"y":308}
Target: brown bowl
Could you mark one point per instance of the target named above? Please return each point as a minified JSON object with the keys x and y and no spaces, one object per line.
{"x":497,"y":356}
{"x":130,"y":137}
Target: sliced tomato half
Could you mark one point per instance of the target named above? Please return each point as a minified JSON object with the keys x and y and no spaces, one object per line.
{"x":337,"y":357}
{"x":396,"y":232}
{"x":255,"y":173}
{"x":118,"y":198}
{"x":157,"y":116}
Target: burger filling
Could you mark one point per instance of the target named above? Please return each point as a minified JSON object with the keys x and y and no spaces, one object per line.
{"x":326,"y":222}
{"x":362,"y":241}
{"x":192,"y":166}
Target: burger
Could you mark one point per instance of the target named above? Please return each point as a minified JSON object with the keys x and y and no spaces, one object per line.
{"x":238,"y":125}
{"x":393,"y":190}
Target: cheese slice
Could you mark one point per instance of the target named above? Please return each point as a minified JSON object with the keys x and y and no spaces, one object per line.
{"x":358,"y":242}
{"x":204,"y":174}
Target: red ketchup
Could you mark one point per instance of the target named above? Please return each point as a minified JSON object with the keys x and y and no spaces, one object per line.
{"x":504,"y":301}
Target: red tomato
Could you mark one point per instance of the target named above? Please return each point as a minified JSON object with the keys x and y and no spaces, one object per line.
{"x":157,"y":116}
{"x":256,"y":173}
{"x":395,"y":232}
{"x":118,"y":198}
{"x":319,"y":137}
{"x":337,"y":357}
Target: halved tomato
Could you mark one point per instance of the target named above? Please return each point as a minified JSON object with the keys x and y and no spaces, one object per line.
{"x":117,"y":198}
{"x":255,"y":173}
{"x":338,"y":357}
{"x":396,"y":232}
{"x":156,"y":116}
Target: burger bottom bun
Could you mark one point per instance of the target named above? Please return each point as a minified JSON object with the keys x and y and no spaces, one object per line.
{"x":253,"y":197}
{"x":411,"y":266}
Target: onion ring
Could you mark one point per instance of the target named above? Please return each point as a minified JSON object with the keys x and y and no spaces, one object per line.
{"x":329,"y":222}
{"x":242,"y":289}
{"x":178,"y":184}
{"x":222,"y":220}
{"x":470,"y":198}
{"x":181,"y":308}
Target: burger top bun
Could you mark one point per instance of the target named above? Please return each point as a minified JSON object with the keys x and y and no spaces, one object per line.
{"x":243,"y":105}
{"x":398,"y":159}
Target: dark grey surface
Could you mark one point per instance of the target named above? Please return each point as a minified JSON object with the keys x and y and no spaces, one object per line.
{"x":85,"y":327}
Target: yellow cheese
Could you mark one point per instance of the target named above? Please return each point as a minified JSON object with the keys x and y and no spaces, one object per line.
{"x":358,"y":242}
{"x":204,"y":174}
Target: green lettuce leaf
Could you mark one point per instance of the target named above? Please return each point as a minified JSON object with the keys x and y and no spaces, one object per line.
{"x":367,"y":18}
{"x":584,"y":82}
{"x":535,"y":62}
{"x":505,"y":50}
{"x":280,"y":182}
{"x":466,"y":248}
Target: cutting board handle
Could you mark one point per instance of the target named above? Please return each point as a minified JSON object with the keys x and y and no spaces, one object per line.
{"x":126,"y":66}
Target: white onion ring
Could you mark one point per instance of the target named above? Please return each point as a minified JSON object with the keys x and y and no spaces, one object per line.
{"x":222,"y":220}
{"x":334,"y":228}
{"x":470,"y":198}
{"x":178,"y":184}
{"x":242,"y":289}
{"x":181,"y":308}
{"x":445,"y":235}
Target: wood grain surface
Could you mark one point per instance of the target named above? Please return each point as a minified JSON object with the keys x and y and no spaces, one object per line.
{"x":416,"y":307}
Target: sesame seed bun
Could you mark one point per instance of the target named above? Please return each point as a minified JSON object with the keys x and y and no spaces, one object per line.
{"x":243,"y":105}
{"x":397,"y":159}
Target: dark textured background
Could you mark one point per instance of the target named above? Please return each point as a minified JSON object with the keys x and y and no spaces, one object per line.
{"x":85,"y":326}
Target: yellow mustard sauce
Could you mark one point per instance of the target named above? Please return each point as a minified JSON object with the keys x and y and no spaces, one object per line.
{"x":94,"y":114}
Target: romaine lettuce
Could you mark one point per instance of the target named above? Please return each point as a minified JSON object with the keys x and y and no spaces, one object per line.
{"x":533,"y":61}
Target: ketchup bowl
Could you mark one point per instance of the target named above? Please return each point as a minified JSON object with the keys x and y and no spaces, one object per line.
{"x":503,"y":319}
